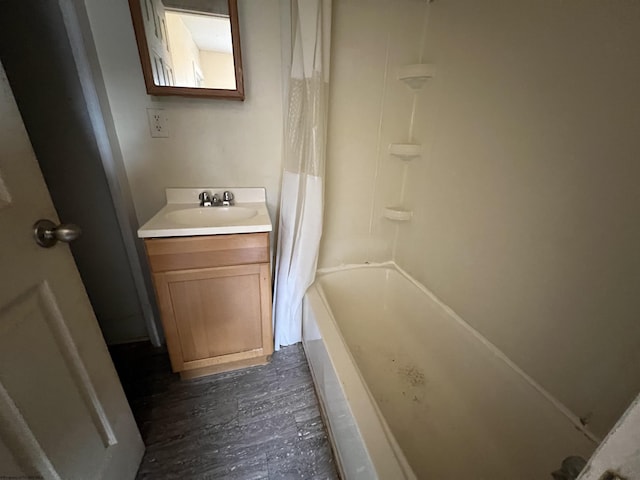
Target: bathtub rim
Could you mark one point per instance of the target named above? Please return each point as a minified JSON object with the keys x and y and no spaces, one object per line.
{"x":356,"y":390}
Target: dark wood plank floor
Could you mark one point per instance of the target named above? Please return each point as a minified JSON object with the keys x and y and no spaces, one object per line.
{"x":258,"y":423}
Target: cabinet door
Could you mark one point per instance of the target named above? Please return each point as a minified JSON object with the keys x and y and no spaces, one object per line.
{"x":215,"y":315}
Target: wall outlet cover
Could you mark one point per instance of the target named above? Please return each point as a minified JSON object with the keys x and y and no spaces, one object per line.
{"x":158,"y":122}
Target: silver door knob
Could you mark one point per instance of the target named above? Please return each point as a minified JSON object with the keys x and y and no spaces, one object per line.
{"x":47,"y":233}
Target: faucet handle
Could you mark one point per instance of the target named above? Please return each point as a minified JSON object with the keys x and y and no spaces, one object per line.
{"x":227,"y":198}
{"x":205,"y":199}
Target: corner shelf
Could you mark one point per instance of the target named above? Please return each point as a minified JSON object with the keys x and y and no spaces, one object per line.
{"x":397,"y":214}
{"x":405,"y":151}
{"x":416,"y":75}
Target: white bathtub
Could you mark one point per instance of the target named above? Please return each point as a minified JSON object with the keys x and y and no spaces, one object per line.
{"x":411,"y":391}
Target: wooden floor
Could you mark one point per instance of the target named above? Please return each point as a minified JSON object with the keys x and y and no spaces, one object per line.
{"x":258,"y":423}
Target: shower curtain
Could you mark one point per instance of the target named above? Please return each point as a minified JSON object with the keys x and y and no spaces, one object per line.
{"x":301,"y":200}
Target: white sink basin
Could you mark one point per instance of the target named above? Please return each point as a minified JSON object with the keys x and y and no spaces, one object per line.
{"x":183,"y":217}
{"x":210,"y":216}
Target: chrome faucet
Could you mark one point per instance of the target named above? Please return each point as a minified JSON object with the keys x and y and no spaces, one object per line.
{"x":205,"y":199}
{"x":227,"y":199}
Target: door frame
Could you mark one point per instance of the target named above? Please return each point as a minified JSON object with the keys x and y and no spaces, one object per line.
{"x":85,"y":58}
{"x":79,"y":69}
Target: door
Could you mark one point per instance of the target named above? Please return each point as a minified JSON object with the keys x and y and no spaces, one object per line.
{"x":63,"y":414}
{"x":618,"y":456}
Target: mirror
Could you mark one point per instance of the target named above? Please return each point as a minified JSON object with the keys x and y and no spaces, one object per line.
{"x":189,"y":47}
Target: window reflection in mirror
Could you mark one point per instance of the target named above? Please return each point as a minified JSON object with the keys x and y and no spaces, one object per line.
{"x":189,"y":48}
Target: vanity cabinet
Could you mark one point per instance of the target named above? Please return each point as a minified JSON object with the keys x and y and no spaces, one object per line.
{"x":214,"y":295}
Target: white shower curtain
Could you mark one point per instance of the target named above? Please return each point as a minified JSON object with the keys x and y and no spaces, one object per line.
{"x":301,"y":201}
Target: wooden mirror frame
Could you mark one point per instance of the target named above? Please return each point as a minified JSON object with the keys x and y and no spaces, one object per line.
{"x":145,"y":60}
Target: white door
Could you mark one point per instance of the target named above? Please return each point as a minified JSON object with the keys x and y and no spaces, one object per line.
{"x":618,"y":456}
{"x":63,"y":414}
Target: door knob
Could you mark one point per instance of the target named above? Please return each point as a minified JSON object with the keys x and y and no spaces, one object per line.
{"x":47,"y":233}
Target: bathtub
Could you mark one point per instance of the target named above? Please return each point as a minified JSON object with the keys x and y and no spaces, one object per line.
{"x":409,"y":390}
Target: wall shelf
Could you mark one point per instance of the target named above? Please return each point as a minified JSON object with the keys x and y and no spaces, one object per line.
{"x":416,"y":75}
{"x":397,"y":214}
{"x":405,"y":151}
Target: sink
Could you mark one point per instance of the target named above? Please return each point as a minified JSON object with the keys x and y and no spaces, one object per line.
{"x":183,"y":217}
{"x":210,"y":216}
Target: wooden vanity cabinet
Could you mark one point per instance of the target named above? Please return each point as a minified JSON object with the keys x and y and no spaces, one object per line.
{"x":214,"y":295}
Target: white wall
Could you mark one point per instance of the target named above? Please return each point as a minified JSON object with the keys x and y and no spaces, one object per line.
{"x":212,"y":142}
{"x":526,"y":202}
{"x":218,"y":69}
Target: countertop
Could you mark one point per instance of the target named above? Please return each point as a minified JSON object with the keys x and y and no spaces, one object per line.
{"x":187,"y":198}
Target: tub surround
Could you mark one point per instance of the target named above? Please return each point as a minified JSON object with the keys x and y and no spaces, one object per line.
{"x":525,"y":195}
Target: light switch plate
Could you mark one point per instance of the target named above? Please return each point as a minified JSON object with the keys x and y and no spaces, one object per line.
{"x":158,"y":122}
